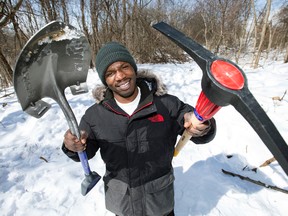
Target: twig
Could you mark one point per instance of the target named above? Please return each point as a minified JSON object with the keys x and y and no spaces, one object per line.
{"x":278,"y":98}
{"x":250,"y":169}
{"x":42,"y":158}
{"x":6,"y":95}
{"x":255,"y":182}
{"x":284,"y":95}
{"x":267,"y":162}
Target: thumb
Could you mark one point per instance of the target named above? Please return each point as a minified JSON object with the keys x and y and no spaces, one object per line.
{"x":187,"y":119}
{"x":84,"y":136}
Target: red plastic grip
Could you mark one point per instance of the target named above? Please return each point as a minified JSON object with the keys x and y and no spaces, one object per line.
{"x":205,"y":109}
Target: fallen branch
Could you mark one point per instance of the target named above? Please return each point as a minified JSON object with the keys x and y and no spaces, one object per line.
{"x":267,"y":162}
{"x":44,"y":159}
{"x":254,"y":181}
{"x":250,"y":169}
{"x":278,"y":98}
{"x":6,"y":95}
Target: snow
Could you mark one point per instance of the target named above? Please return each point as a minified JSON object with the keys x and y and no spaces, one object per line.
{"x":38,"y":179}
{"x":68,"y":33}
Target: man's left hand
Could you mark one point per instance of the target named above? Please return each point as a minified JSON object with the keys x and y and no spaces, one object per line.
{"x":195,"y":127}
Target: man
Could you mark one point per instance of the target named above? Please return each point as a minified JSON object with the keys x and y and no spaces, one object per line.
{"x":135,"y":126}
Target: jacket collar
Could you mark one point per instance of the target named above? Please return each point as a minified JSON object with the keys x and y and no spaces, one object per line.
{"x":149,"y":84}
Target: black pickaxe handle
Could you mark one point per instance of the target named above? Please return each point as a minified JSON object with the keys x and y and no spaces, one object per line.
{"x":225,"y":83}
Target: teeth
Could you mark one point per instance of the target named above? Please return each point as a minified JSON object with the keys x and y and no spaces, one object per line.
{"x":124,"y":86}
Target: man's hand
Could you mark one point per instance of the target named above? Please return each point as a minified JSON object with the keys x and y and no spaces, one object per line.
{"x":72,"y":143}
{"x":194,"y":127}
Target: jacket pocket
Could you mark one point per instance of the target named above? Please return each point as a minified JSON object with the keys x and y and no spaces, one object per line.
{"x":116,"y":197}
{"x":160,"y":195}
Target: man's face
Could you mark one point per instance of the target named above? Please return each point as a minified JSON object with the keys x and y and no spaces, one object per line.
{"x":121,"y":79}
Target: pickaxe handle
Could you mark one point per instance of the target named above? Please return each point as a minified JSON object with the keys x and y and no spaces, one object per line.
{"x":203,"y":111}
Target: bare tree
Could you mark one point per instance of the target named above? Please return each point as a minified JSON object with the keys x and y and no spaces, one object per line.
{"x":83,"y":21}
{"x":65,"y":11}
{"x":264,"y":29}
{"x":244,"y":33}
{"x":48,"y":8}
{"x":254,"y":24}
{"x":282,"y":30}
{"x":95,"y":40}
{"x":8,"y":15}
{"x":221,"y":26}
{"x":272,"y":32}
{"x":223,"y":8}
{"x":6,"y":72}
{"x":31,"y":17}
{"x":286,"y":55}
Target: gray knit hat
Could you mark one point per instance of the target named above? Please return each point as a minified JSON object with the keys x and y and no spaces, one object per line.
{"x":110,"y":53}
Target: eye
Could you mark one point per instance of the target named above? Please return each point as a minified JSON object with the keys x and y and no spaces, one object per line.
{"x":109,"y":73}
{"x":125,"y":66}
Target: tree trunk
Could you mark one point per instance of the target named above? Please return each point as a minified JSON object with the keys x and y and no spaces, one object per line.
{"x":6,"y":72}
{"x":264,"y":28}
{"x":271,"y":37}
{"x":223,"y":9}
{"x":124,"y":20}
{"x":286,"y":56}
{"x":205,"y":30}
{"x":65,"y":12}
{"x":95,"y":40}
{"x":254,"y":24}
{"x":245,"y":33}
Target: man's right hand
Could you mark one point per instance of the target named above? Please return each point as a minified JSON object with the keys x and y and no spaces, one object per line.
{"x":72,"y":143}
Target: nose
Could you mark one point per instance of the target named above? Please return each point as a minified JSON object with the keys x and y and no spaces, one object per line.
{"x":119,"y":74}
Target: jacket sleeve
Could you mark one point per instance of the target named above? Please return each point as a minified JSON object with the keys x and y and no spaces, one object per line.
{"x":92,"y":146}
{"x":209,"y":136}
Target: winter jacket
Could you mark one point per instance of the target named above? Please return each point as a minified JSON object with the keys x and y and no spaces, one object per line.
{"x":138,"y":149}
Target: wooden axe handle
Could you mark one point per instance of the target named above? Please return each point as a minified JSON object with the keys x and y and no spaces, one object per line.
{"x":182,"y":142}
{"x":204,"y":110}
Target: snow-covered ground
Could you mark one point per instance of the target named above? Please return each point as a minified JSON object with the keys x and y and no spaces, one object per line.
{"x":38,"y":179}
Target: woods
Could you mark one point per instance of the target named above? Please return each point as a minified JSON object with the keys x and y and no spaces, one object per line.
{"x":226,"y":27}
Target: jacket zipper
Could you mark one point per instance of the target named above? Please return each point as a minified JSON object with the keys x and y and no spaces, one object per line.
{"x":124,"y":114}
{"x":144,"y":106}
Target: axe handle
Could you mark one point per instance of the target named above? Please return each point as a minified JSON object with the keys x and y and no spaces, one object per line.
{"x":182,"y":142}
{"x":204,"y":110}
{"x":73,"y":126}
{"x":84,"y":161}
{"x":195,"y":120}
{"x":72,"y":122}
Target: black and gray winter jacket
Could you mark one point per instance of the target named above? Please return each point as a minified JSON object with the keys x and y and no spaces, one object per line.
{"x":138,"y":149}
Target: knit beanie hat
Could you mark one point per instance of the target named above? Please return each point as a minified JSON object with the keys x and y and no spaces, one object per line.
{"x":110,"y":53}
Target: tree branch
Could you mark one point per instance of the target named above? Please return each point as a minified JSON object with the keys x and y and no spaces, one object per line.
{"x":255,"y":182}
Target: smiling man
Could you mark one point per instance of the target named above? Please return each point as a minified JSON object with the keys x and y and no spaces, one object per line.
{"x":135,"y":124}
{"x":121,"y":80}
